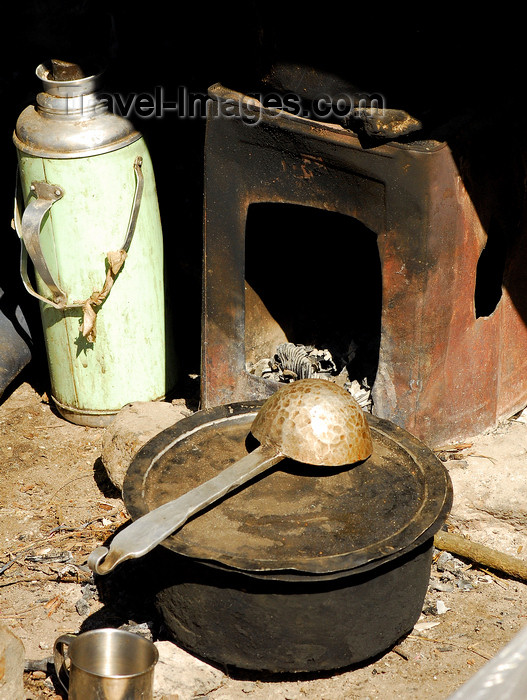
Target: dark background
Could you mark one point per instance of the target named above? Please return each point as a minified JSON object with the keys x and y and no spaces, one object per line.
{"x":437,"y":68}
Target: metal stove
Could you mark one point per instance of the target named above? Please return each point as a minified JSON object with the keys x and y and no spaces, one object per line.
{"x":442,"y":371}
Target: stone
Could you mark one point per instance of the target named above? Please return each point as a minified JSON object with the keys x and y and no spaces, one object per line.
{"x":11,"y":665}
{"x":491,"y":500}
{"x":179,"y":674}
{"x":132,"y":427}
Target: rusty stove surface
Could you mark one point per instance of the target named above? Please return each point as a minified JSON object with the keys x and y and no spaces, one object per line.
{"x":444,"y":374}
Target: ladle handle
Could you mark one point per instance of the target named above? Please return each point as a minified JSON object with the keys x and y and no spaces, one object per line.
{"x":151,"y":529}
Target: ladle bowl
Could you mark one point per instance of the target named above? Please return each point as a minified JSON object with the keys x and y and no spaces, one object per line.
{"x":313,"y":421}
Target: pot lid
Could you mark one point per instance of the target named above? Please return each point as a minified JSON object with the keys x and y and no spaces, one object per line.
{"x":293,"y":518}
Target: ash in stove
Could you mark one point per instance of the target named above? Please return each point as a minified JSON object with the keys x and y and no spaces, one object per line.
{"x":294,"y":361}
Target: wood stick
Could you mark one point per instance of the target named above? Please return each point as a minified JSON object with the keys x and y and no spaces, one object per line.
{"x":481,"y":554}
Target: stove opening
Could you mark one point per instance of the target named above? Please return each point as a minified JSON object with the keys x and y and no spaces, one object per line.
{"x":490,"y":271}
{"x":313,"y":295}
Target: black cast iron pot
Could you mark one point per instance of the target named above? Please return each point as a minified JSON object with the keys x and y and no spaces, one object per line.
{"x":299,"y":571}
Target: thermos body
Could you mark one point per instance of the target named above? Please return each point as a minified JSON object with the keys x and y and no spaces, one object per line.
{"x":96,"y":208}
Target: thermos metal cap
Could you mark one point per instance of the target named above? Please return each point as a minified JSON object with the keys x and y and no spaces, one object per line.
{"x":69,"y":120}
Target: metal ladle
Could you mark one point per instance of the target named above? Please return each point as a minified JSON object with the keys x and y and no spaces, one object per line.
{"x":313,"y":421}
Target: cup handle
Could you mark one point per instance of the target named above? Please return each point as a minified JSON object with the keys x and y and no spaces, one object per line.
{"x":61,"y":660}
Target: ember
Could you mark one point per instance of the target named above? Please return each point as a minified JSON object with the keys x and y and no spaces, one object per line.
{"x":294,"y":361}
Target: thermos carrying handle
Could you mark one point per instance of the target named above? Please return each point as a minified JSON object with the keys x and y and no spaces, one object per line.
{"x":28,"y":229}
{"x":61,"y":660}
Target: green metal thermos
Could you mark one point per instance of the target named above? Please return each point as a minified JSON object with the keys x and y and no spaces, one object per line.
{"x":87,"y":215}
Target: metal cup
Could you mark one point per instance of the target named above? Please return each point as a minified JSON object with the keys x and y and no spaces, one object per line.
{"x":106,"y":664}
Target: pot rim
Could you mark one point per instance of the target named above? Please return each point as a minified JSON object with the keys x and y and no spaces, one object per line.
{"x":430,"y":517}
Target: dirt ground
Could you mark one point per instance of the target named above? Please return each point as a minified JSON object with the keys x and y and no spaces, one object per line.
{"x":57,"y":504}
